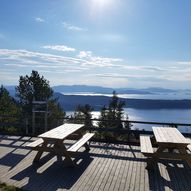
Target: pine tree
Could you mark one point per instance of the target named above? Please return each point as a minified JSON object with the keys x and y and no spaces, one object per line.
{"x":111,"y":116}
{"x":9,"y":110}
{"x":33,"y":87}
{"x":36,"y":87}
{"x":83,"y":114}
{"x":113,"y":113}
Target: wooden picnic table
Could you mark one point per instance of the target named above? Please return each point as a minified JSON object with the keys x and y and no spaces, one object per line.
{"x":53,"y":141}
{"x":171,"y":145}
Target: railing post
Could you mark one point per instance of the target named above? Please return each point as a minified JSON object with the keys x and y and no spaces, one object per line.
{"x":33,"y":123}
{"x":27,"y":126}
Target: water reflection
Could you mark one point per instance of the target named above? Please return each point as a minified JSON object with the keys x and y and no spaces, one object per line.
{"x":155,"y":115}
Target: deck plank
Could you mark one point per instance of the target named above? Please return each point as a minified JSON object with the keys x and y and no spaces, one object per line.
{"x":126,"y":170}
{"x":83,"y":181}
{"x":105,"y":167}
{"x":103,"y":174}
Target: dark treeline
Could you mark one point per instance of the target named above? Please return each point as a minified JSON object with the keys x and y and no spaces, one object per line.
{"x":36,"y":105}
{"x":69,"y":102}
{"x":32,"y":89}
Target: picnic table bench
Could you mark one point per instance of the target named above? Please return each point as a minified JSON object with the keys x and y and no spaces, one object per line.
{"x":146,"y":145}
{"x":53,"y":142}
{"x":168,"y":139}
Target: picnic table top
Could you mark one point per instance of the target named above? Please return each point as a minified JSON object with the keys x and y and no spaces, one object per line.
{"x":169,"y":135}
{"x":61,"y":132}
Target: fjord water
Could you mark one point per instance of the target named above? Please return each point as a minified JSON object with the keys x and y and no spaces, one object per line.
{"x":153,"y":95}
{"x":155,"y":115}
{"x":160,"y":115}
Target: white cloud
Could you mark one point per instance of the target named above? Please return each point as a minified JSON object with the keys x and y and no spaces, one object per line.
{"x":60,"y":48}
{"x":98,"y":61}
{"x":39,"y":19}
{"x":90,"y":69}
{"x":146,"y":68}
{"x":187,"y":63}
{"x":85,"y":61}
{"x":21,"y":58}
{"x":123,"y":76}
{"x":84,"y":54}
{"x":71,"y":27}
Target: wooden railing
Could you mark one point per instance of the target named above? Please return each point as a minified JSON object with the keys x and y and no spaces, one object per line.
{"x":24,"y":125}
{"x":139,"y":131}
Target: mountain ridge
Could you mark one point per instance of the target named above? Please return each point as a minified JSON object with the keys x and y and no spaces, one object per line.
{"x":69,"y":102}
{"x":100,"y":89}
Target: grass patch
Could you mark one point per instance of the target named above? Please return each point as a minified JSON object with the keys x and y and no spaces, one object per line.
{"x":5,"y":187}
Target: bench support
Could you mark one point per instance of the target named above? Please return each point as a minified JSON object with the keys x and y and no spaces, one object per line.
{"x":58,"y":148}
{"x":39,"y":153}
{"x":153,"y":157}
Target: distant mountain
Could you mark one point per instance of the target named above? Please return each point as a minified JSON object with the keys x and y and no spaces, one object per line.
{"x":81,"y":88}
{"x":160,"y":90}
{"x":84,"y":89}
{"x":104,"y":90}
{"x":11,"y":90}
{"x":132,"y":91}
{"x":69,"y":102}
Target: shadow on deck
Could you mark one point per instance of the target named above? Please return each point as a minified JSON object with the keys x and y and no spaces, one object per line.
{"x":105,"y":167}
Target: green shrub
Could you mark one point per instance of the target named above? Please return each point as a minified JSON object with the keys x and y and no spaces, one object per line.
{"x":5,"y":187}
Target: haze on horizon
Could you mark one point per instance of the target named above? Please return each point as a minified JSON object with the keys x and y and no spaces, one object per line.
{"x":110,"y":43}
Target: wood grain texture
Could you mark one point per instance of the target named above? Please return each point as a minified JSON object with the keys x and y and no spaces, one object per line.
{"x":105,"y":167}
{"x":76,"y":146}
{"x":169,"y":135}
{"x":61,"y":132}
{"x":145,"y":143}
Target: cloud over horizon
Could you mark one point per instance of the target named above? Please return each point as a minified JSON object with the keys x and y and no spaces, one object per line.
{"x":60,"y":48}
{"x":89,"y":68}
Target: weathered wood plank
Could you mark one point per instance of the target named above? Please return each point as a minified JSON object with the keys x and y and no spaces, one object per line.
{"x":133,"y":176}
{"x":145,"y":143}
{"x":111,"y":167}
{"x":126,"y":168}
{"x":95,"y":182}
{"x":86,"y":181}
{"x":36,"y":143}
{"x":111,"y":172}
{"x":103,"y":173}
{"x":76,"y":146}
{"x":62,"y":131}
{"x":169,"y":135}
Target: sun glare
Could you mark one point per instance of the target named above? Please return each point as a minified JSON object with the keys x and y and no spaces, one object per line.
{"x":101,"y":6}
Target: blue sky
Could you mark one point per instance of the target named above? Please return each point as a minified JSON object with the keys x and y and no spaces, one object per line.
{"x":113,"y":43}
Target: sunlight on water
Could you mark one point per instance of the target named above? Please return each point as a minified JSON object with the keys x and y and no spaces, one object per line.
{"x":162,"y":96}
{"x":155,"y":115}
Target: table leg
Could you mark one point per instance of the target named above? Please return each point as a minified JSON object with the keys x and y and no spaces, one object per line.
{"x":153,"y":160}
{"x":86,"y":147}
{"x":61,"y":150}
{"x":40,"y":152}
{"x":57,"y":148}
{"x":187,"y":158}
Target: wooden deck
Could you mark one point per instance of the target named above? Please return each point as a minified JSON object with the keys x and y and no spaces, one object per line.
{"x":105,"y":167}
